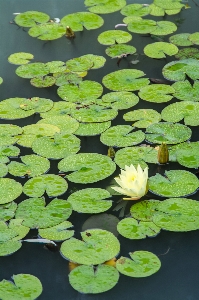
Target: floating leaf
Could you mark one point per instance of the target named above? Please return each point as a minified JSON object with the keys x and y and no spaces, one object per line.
{"x":102,"y":221}
{"x":189,"y":52}
{"x":157,"y":93}
{"x":120,"y":100}
{"x":59,"y":146}
{"x":60,"y":108}
{"x":121,"y":136}
{"x":159,"y":49}
{"x":141,"y":264}
{"x":87,"y":167}
{"x":37,"y":104}
{"x":9,"y":134}
{"x":94,"y":114}
{"x":7,"y":211}
{"x":8,"y":248}
{"x":173,"y":184}
{"x":58,"y":232}
{"x":104,"y":7}
{"x":144,"y":210}
{"x":35,"y":215}
{"x":3,"y":170}
{"x":10,"y":109}
{"x":96,"y":247}
{"x":186,"y":154}
{"x":53,"y":185}
{"x":20,"y":58}
{"x":32,"y":70}
{"x":139,"y":10}
{"x":6,"y":151}
{"x":21,"y":230}
{"x":1,"y":80}
{"x":194,"y":38}
{"x":91,"y":129}
{"x":120,"y":50}
{"x":168,"y":133}
{"x":42,"y":82}
{"x":31,"y":18}
{"x":136,"y":155}
{"x":68,"y":78}
{"x":125,"y":80}
{"x":80,"y":20}
{"x":79,"y":64}
{"x":146,"y":117}
{"x":47,"y":32}
{"x":65,"y":123}
{"x":132,"y":229}
{"x":185,"y":91}
{"x":25,"y":286}
{"x":181,"y":39}
{"x":111,"y":37}
{"x":90,"y":200}
{"x":97,"y":60}
{"x":10,"y":190}
{"x":169,"y":4}
{"x":87,"y":280}
{"x":56,"y":66}
{"x":156,"y":10}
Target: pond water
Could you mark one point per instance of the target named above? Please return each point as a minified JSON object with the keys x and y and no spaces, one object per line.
{"x":178,"y":251}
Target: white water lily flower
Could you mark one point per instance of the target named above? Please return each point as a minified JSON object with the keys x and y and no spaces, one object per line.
{"x":133,"y":183}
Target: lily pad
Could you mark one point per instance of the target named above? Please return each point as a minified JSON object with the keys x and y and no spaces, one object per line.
{"x":7,"y":211}
{"x":9,"y":247}
{"x":139,"y":10}
{"x":177,"y":70}
{"x":90,"y":200}
{"x":159,"y":49}
{"x":96,"y":247}
{"x":31,"y":18}
{"x":111,"y":37}
{"x":42,"y":82}
{"x":37,"y":104}
{"x":80,"y":20}
{"x":189,"y":52}
{"x":32,"y":70}
{"x":1,"y":80}
{"x":141,"y":264}
{"x":94,"y":114}
{"x":168,"y":133}
{"x":185,"y":91}
{"x":132,"y":229}
{"x":120,"y":100}
{"x":125,"y":80}
{"x":173,"y":184}
{"x":47,"y":32}
{"x":68,"y":78}
{"x":144,"y":210}
{"x":87,"y":280}
{"x":186,"y":154}
{"x":60,"y":108}
{"x":33,"y":165}
{"x":181,"y":39}
{"x":194,"y":38}
{"x":10,"y":190}
{"x":145,"y":117}
{"x":65,"y":123}
{"x":35,"y":215}
{"x":157,"y":93}
{"x":156,"y":10}
{"x":87,"y":167}
{"x":9,"y":134}
{"x":21,"y":230}
{"x":169,"y":4}
{"x":85,"y":90}
{"x":20,"y":58}
{"x":79,"y":64}
{"x":102,"y":221}
{"x":104,"y":6}
{"x":59,"y":146}
{"x":25,"y":286}
{"x":56,"y":66}
{"x":98,"y":61}
{"x":91,"y":129}
{"x":121,"y":136}
{"x":3,"y":170}
{"x":10,"y":109}
{"x":58,"y":232}
{"x":187,"y":110}
{"x":53,"y":185}
{"x":8,"y":151}
{"x":136,"y":155}
{"x":120,"y":50}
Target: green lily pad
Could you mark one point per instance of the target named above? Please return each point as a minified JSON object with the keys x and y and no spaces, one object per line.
{"x":145,"y":117}
{"x":96,"y":247}
{"x":121,"y":136}
{"x":169,"y":4}
{"x":87,"y":280}
{"x":141,"y":264}
{"x":145,"y":210}
{"x":79,"y":64}
{"x":180,"y":39}
{"x":132,"y":229}
{"x":185,"y":91}
{"x":173,"y":184}
{"x":21,"y":230}
{"x":156,"y":10}
{"x":194,"y":38}
{"x":120,"y":100}
{"x":3,"y":170}
{"x":177,"y":70}
{"x":111,"y":37}
{"x":168,"y":133}
{"x":104,"y":6}
{"x":10,"y":190}
{"x":90,"y":200}
{"x":65,"y":123}
{"x":1,"y":80}
{"x":87,"y":167}
{"x":20,"y":58}
{"x":7,"y":211}
{"x":136,"y":155}
{"x":139,"y":10}
{"x":189,"y":52}
{"x":159,"y":49}
{"x":47,"y":32}
{"x":10,"y":109}
{"x":60,"y":108}
{"x":8,"y":248}
{"x":125,"y":80}
{"x":80,"y":20}
{"x":120,"y":50}
{"x":91,"y":129}
{"x":94,"y":114}
{"x":58,"y":232}
{"x":97,"y":60}
{"x":32,"y":70}
{"x":85,"y":90}
{"x":68,"y":78}
{"x":33,"y":165}
{"x":25,"y":286}
{"x":186,"y":154}
{"x":56,"y":66}
{"x":42,"y":82}
{"x":37,"y":104}
{"x":157,"y":93}
{"x":59,"y":146}
{"x":187,"y":110}
{"x":53,"y":185}
{"x":35,"y":215}
{"x":102,"y":221}
{"x":9,"y":134}
{"x":8,"y":151}
{"x":31,"y":18}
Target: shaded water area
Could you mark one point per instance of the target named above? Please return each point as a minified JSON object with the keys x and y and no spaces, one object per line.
{"x":178,"y":252}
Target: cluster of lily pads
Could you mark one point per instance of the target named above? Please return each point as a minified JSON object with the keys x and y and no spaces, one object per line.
{"x":56,"y":136}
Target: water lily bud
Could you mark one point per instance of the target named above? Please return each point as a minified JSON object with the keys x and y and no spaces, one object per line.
{"x":72,"y":265}
{"x":69,"y":32}
{"x":163,"y":154}
{"x":111,"y":152}
{"x":111,"y":262}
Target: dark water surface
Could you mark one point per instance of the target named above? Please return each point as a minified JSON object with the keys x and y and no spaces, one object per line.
{"x":178,"y":278}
